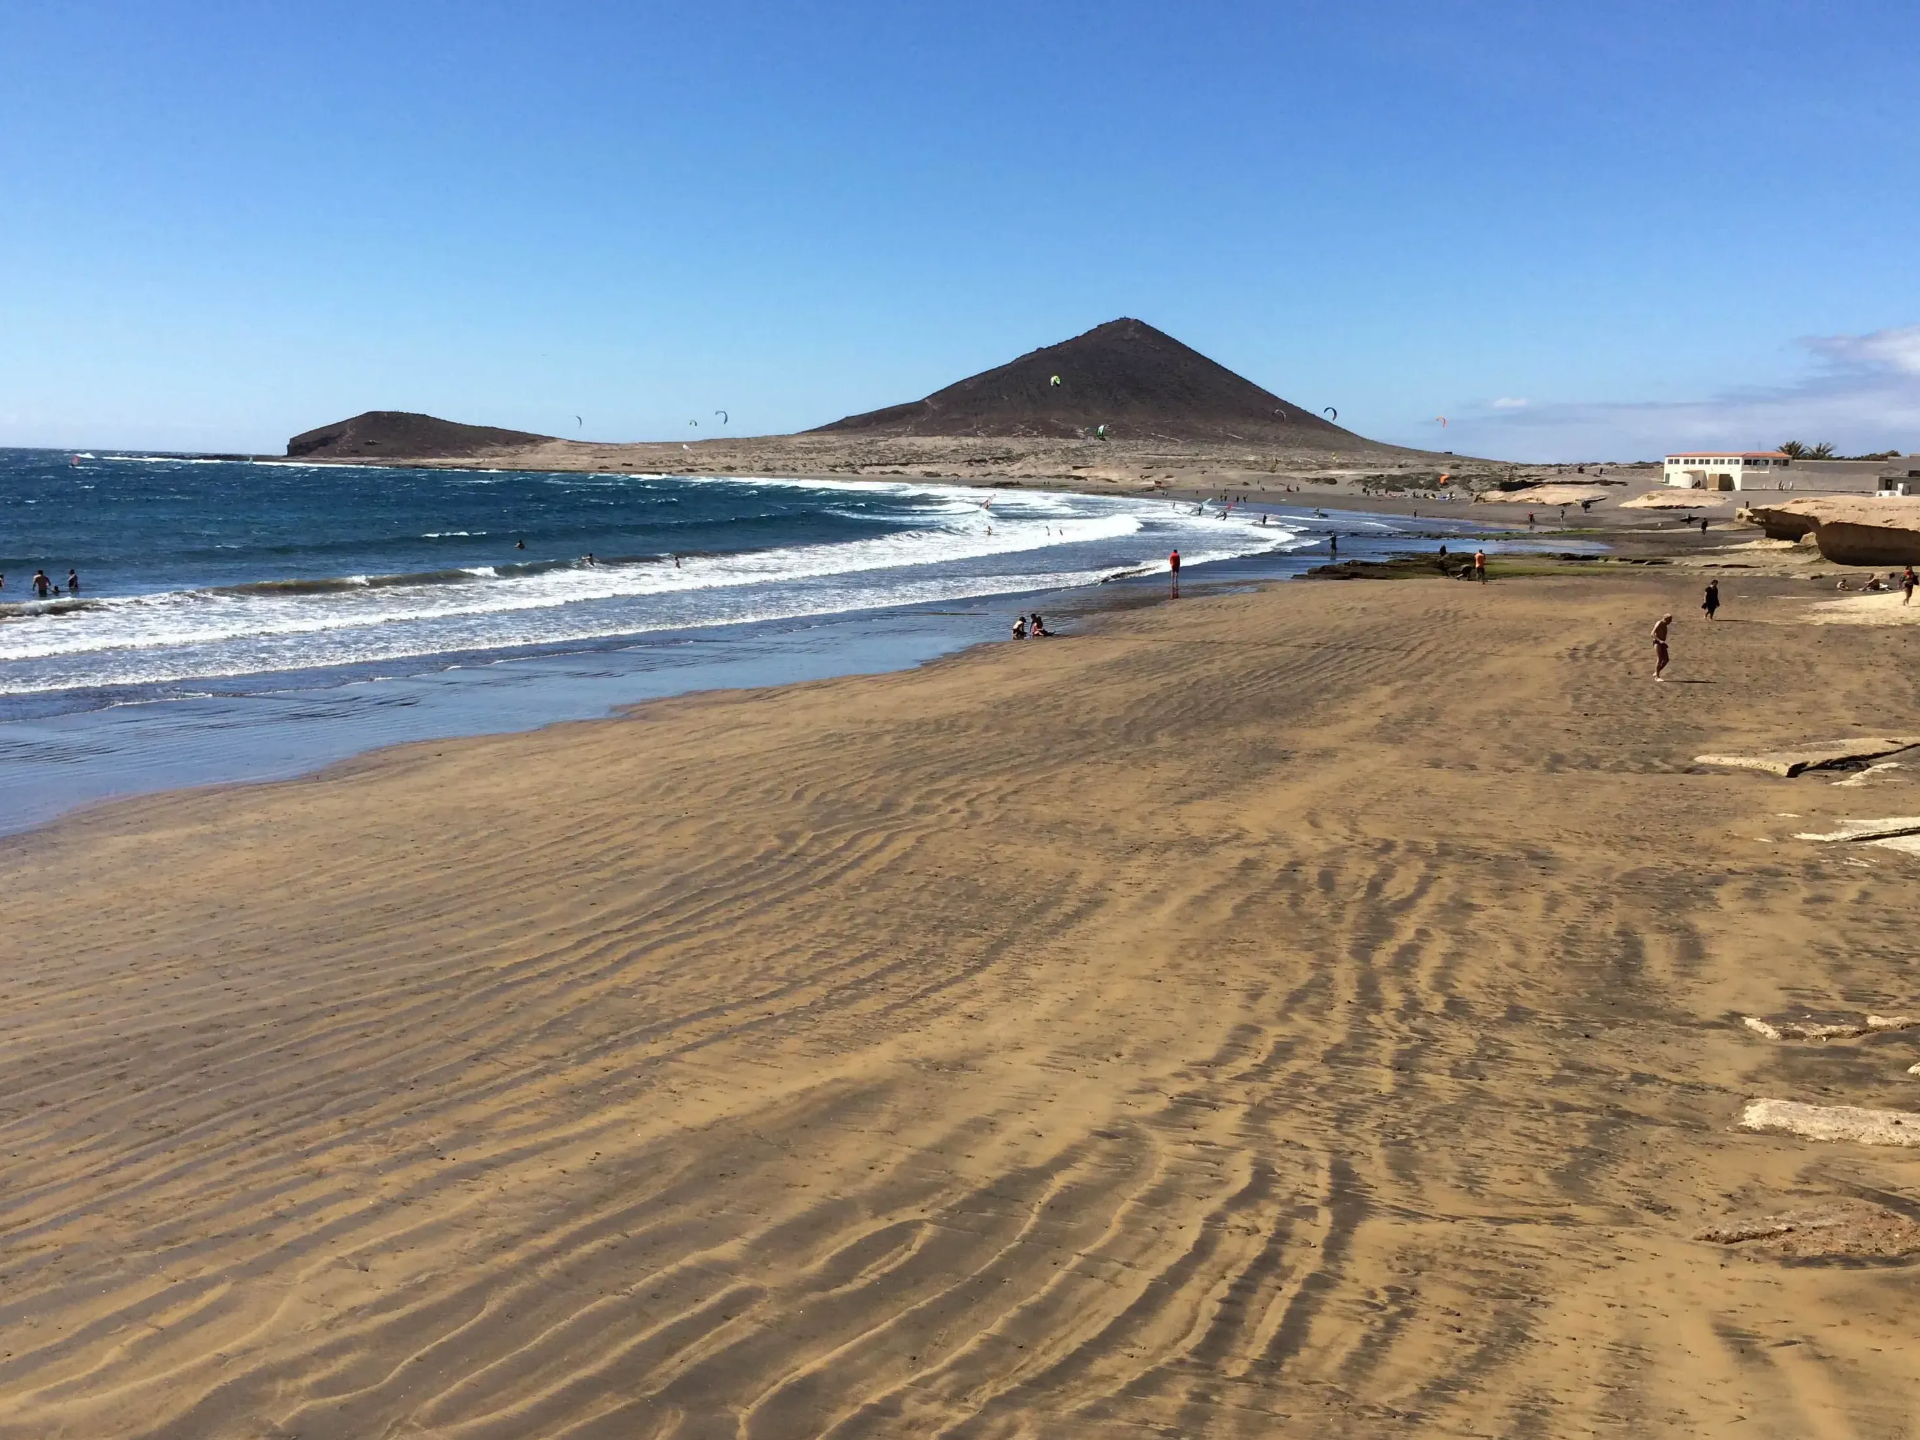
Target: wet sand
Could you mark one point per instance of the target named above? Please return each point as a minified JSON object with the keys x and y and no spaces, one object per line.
{"x":1312,"y":1011}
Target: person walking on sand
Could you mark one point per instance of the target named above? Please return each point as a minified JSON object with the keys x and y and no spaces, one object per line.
{"x":1480,"y":566}
{"x":1660,"y":654}
{"x":1712,"y":603}
{"x":1907,"y":582}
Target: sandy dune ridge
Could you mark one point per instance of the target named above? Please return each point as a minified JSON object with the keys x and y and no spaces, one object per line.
{"x":1312,"y":1011}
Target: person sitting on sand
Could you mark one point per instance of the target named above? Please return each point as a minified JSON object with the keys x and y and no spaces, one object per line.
{"x":1037,"y":626}
{"x":1660,"y":655}
{"x":1873,"y":583}
{"x":1020,"y":627}
{"x":1712,"y":603}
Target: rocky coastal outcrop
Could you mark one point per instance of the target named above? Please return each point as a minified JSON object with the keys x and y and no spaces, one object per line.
{"x":1849,"y":529}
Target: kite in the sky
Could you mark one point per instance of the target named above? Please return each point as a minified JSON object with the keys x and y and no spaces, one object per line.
{"x":1443,"y":421}
{"x":1054,"y":381}
{"x":723,"y":416}
{"x":1329,"y":410}
{"x":579,"y":422}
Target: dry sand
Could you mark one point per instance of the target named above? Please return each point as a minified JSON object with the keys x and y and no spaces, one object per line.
{"x":1310,"y":1012}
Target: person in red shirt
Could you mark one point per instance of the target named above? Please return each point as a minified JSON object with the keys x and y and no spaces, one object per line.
{"x":1173,"y":562}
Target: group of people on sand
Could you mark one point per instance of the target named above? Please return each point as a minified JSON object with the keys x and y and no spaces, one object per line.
{"x":1030,"y":627}
{"x":1903,"y":580}
{"x":45,"y":587}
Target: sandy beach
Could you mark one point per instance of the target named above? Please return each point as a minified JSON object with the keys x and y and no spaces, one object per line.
{"x":1315,"y":1010}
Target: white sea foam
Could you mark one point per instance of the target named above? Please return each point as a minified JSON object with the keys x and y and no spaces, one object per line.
{"x":969,"y":549}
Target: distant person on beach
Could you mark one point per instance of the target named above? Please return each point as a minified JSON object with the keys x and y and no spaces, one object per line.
{"x":1703,"y":524}
{"x":1333,"y":544}
{"x":1037,"y":626}
{"x":42,"y":586}
{"x":1529,"y":519}
{"x":1020,"y":627}
{"x":519,"y":544}
{"x":1173,"y":564}
{"x":1712,"y":603}
{"x":590,"y":560}
{"x":1907,"y":582}
{"x":73,"y":582}
{"x":1660,"y":654}
{"x":1480,"y":566}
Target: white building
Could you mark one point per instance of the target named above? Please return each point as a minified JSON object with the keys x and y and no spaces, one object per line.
{"x":1729,"y":470}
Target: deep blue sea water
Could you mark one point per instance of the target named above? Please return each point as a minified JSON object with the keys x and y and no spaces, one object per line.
{"x":248,"y":620}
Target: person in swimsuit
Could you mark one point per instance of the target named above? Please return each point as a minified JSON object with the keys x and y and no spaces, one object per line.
{"x":73,"y":582}
{"x":1660,"y":654}
{"x":1907,"y":582}
{"x":1020,"y":628}
{"x":42,"y":586}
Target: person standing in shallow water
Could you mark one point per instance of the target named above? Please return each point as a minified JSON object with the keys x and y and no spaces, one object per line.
{"x":1660,"y":653}
{"x":1712,"y":603}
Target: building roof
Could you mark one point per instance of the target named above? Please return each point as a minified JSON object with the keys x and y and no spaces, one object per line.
{"x":1730,"y":454}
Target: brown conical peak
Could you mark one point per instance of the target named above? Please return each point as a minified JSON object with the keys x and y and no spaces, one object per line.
{"x":1137,"y":381}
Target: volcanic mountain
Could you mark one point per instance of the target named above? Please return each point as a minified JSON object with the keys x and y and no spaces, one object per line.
{"x":401,"y":434}
{"x":1139,"y":382}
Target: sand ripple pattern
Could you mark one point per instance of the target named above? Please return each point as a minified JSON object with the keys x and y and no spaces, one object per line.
{"x":1282,"y":1015}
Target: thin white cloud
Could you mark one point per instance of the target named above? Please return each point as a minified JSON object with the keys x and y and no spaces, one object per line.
{"x":1897,"y":350}
{"x":1508,"y":402}
{"x":1863,"y":396}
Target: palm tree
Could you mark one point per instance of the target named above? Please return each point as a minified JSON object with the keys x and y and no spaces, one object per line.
{"x":1793,"y":450}
{"x":1822,"y":451}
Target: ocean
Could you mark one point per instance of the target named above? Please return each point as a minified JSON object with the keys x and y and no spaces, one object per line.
{"x":249,"y":620}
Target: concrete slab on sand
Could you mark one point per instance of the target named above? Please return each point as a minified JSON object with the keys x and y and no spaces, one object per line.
{"x":1821,"y":755}
{"x":1840,"y":1230}
{"x":1855,"y":830}
{"x":1826,"y":1027}
{"x":1832,"y":1122}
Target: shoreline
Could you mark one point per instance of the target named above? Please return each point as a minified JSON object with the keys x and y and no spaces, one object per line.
{"x":67,"y":759}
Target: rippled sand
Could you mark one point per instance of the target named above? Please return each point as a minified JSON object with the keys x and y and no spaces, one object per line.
{"x":1310,"y":1012}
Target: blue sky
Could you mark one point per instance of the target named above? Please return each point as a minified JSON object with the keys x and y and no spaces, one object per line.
{"x":1576,"y":230}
